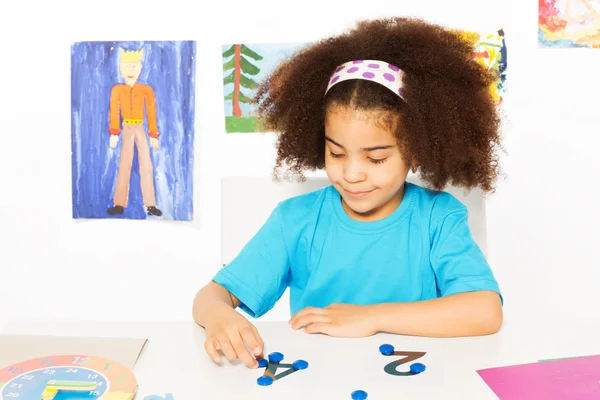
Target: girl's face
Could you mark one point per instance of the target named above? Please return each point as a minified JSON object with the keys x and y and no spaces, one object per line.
{"x":364,"y":163}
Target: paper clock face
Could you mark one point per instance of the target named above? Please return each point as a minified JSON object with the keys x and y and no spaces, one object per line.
{"x":67,"y":377}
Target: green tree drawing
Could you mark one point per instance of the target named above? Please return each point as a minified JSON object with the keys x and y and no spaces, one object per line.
{"x":240,"y":67}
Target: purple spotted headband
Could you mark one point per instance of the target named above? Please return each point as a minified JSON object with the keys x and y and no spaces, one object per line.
{"x":381,"y":72}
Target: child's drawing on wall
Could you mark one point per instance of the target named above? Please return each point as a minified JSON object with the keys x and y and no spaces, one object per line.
{"x":132,"y":129}
{"x":569,"y":23}
{"x":490,"y":51}
{"x":244,"y":66}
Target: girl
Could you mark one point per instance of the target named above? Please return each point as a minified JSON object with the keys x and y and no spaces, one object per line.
{"x":371,"y":252}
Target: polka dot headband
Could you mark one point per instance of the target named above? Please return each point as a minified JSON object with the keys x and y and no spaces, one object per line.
{"x":381,"y":72}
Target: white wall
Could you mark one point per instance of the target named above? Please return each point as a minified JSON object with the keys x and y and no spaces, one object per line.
{"x":541,"y":220}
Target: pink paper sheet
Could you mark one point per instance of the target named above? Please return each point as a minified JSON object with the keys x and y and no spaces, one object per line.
{"x":567,"y":379}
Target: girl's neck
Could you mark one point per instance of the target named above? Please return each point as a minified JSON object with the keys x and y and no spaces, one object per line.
{"x":379,"y":213}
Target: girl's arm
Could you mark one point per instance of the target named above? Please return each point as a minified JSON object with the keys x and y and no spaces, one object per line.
{"x":462,"y":314}
{"x":474,"y":313}
{"x":226,"y":329}
{"x":209,"y":300}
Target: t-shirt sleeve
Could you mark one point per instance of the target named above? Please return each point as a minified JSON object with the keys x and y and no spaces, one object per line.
{"x":259,"y":274}
{"x":458,"y":262}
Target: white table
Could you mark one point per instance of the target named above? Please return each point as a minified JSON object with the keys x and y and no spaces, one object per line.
{"x":174,"y":360}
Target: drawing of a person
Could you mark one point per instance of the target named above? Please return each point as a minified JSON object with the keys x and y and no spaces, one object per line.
{"x":128,"y":100}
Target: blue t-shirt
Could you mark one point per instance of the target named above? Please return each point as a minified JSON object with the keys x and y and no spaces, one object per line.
{"x":423,"y":250}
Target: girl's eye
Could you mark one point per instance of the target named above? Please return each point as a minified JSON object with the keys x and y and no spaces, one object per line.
{"x":378,"y":161}
{"x":334,"y":155}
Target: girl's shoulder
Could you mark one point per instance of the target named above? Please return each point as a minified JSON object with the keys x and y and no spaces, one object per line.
{"x":305,"y":202}
{"x":435,"y":204}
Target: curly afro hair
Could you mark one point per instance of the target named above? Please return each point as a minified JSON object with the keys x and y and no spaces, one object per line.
{"x":449,"y":124}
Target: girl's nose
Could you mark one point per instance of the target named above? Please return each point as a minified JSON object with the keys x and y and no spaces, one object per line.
{"x":353,"y":172}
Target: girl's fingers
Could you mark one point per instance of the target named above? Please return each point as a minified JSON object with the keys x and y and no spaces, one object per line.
{"x":211,"y":346}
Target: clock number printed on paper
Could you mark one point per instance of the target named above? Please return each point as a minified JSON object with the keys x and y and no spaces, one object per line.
{"x":15,"y":371}
{"x":46,"y":361}
{"x":81,"y":361}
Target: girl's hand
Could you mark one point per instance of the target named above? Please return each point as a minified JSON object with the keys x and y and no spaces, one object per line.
{"x":227,"y":331}
{"x":343,"y":320}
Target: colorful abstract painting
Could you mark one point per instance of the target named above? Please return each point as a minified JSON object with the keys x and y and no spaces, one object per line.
{"x":244,"y":66}
{"x":491,"y":52}
{"x":132,"y":129}
{"x":569,"y":23}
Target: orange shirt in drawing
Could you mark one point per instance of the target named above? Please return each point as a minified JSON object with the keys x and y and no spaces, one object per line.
{"x":129,"y":100}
